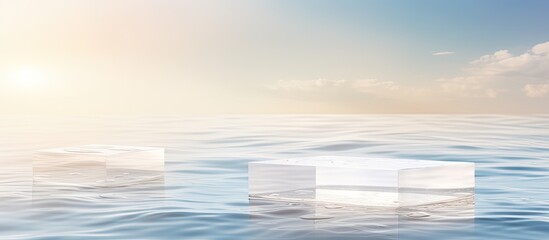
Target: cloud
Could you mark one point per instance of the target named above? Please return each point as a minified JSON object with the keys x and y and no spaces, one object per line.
{"x":374,"y":85}
{"x":469,"y":87}
{"x":499,"y":77}
{"x":353,"y":90}
{"x":369,"y":85}
{"x":306,"y":85}
{"x":501,"y":72}
{"x":536,"y":90}
{"x":443,"y":53}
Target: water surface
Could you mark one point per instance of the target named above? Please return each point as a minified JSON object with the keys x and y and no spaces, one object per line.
{"x":203,"y":194}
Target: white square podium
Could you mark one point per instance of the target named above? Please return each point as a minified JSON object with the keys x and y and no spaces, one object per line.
{"x":98,"y":165}
{"x":363,"y":181}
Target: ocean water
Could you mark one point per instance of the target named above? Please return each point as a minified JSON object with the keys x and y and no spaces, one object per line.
{"x":204,"y":191}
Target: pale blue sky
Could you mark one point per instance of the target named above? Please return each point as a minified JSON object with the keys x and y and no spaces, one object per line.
{"x":284,"y":56}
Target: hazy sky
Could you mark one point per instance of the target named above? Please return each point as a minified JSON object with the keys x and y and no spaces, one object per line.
{"x":283,"y":56}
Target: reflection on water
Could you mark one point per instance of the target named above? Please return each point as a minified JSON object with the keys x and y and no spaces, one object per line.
{"x":328,"y":221}
{"x":205,"y":188}
{"x":371,"y":196}
{"x":152,"y":189}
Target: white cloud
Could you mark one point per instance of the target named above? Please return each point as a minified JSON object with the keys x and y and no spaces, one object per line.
{"x":471,"y":87}
{"x":306,"y":85}
{"x":542,"y":48}
{"x":374,"y":85}
{"x":498,"y":75}
{"x":536,"y":90}
{"x":500,"y":72}
{"x":443,"y":53}
{"x":350,"y":89}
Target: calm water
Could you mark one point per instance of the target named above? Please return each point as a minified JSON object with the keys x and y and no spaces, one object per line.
{"x":204,"y":191}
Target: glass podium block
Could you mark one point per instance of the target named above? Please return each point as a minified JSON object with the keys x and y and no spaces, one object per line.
{"x":377,"y":182}
{"x":98,"y":165}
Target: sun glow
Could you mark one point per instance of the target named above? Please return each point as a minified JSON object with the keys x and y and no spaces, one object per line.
{"x":27,"y":78}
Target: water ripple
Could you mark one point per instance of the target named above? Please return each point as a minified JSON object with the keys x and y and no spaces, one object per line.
{"x":204,"y":191}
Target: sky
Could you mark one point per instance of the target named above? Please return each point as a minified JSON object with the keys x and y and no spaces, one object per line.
{"x":274,"y":57}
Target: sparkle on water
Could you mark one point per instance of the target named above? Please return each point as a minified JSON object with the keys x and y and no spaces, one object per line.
{"x":204,"y":195}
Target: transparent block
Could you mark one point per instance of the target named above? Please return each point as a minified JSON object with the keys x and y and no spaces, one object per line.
{"x":362,"y":181}
{"x":98,"y":165}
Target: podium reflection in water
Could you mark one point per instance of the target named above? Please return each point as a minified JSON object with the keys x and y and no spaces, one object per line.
{"x":300,"y":220}
{"x":151,"y":189}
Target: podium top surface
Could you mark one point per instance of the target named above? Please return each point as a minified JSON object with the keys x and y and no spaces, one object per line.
{"x":366,"y":163}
